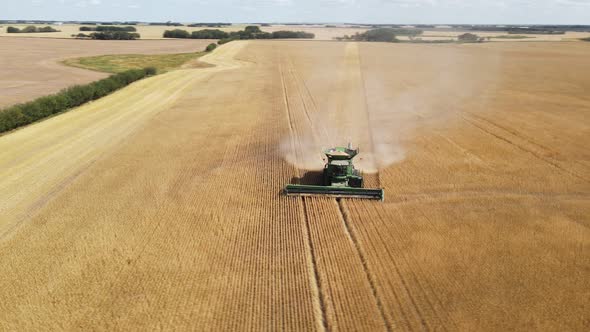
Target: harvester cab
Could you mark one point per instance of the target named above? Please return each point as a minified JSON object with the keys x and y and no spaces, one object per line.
{"x":339,"y":170}
{"x":340,"y":178}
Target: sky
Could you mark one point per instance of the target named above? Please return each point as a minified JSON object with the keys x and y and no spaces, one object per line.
{"x":319,"y":11}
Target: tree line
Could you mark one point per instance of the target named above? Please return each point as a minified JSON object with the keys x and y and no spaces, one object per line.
{"x":250,"y":32}
{"x":109,"y":35}
{"x":201,"y":34}
{"x":23,"y":114}
{"x":209,"y":25}
{"x":109,"y":32}
{"x":390,"y":35}
{"x":31,"y":29}
{"x":169,"y":23}
{"x":383,"y":35}
{"x":533,"y":30}
{"x":108,"y":28}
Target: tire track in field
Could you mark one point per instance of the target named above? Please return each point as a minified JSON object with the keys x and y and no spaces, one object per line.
{"x":420,"y":308}
{"x":426,"y":197}
{"x":345,"y":218}
{"x":438,"y":317}
{"x":321,"y":134}
{"x":407,"y":313}
{"x":416,"y":311}
{"x":353,"y":63}
{"x":323,"y":218}
{"x":368,"y":113}
{"x":312,"y":255}
{"x":513,"y":141}
{"x":545,"y":152}
{"x":319,"y":302}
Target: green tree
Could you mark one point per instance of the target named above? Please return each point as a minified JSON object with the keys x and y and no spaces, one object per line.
{"x":29,"y":29}
{"x":292,"y":34}
{"x":252,"y":29}
{"x":176,"y":33}
{"x":209,"y":34}
{"x":224,"y":41}
{"x":468,"y":38}
{"x":114,"y":28}
{"x":47,"y":29}
{"x":114,"y":35}
{"x":211,"y":47}
{"x":380,"y":35}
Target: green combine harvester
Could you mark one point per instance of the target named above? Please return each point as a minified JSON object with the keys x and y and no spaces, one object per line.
{"x":340,"y":179}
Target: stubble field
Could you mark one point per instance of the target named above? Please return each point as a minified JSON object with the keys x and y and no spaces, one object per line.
{"x":30,"y":68}
{"x":159,"y":206}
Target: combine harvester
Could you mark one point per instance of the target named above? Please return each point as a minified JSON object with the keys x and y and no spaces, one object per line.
{"x":340,"y":179}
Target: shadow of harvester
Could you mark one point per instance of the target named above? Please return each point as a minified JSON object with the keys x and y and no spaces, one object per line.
{"x":310,"y":178}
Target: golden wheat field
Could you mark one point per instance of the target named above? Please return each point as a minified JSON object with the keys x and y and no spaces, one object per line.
{"x":159,"y":207}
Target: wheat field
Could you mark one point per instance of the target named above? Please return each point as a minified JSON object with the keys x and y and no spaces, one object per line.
{"x":160,"y":206}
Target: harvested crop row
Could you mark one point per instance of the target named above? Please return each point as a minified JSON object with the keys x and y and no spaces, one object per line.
{"x":350,"y":302}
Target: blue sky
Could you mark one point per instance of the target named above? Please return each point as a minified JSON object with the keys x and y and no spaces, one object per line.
{"x":369,"y":11}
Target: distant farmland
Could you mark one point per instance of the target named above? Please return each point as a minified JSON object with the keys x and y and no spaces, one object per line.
{"x":322,"y":32}
{"x":35,"y":69}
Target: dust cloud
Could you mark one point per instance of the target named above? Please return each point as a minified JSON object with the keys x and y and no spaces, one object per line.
{"x":380,"y":103}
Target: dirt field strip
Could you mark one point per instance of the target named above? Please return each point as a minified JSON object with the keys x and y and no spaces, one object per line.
{"x":31,"y":68}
